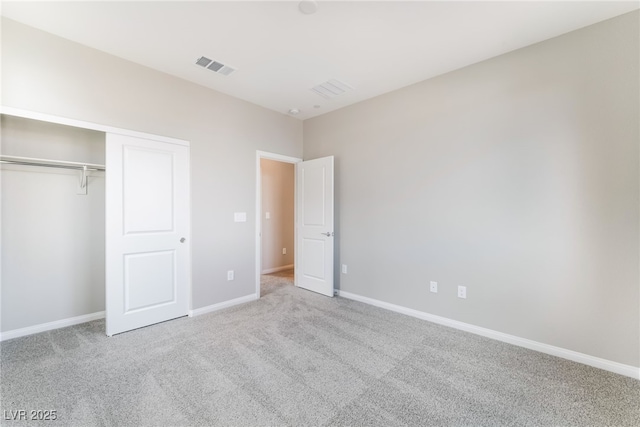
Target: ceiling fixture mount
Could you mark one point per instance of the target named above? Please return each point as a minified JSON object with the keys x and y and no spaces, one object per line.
{"x":294,"y":111}
{"x":308,"y":7}
{"x":331,"y":88}
{"x":215,"y":66}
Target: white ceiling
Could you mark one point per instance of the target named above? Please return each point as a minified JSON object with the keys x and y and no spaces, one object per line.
{"x":280,"y":53}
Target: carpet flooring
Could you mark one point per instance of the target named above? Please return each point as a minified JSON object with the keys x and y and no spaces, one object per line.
{"x":295,"y":358}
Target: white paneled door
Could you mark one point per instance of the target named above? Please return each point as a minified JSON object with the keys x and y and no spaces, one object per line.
{"x":147,"y":255}
{"x":314,"y":222}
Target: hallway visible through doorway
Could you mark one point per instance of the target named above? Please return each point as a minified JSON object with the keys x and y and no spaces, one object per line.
{"x":275,"y":219}
{"x":271,"y":282}
{"x":278,"y":184}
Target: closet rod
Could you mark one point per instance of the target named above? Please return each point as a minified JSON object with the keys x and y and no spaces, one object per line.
{"x":30,"y":161}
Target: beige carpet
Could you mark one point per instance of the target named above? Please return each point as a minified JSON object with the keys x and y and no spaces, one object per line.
{"x":296,"y":358}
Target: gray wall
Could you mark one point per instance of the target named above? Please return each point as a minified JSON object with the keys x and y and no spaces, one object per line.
{"x":52,"y":238}
{"x":45,"y":73}
{"x":277,"y":198}
{"x":517,"y":177}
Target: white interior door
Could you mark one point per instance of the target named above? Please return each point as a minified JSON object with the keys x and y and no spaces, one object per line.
{"x":147,"y":211}
{"x":314,"y":224}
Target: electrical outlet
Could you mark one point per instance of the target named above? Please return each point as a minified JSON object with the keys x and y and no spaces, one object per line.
{"x":230,"y":275}
{"x":433,"y":287}
{"x":284,"y":251}
{"x":344,"y":268}
{"x":462,"y":291}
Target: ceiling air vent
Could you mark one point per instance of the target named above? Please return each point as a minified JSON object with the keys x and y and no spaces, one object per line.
{"x":331,"y":88}
{"x":215,"y":66}
{"x":203,"y":61}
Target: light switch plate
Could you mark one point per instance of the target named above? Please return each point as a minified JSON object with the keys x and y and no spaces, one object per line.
{"x":267,"y":215}
{"x":240,"y":217}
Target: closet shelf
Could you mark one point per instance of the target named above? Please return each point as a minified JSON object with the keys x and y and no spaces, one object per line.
{"x":31,"y":161}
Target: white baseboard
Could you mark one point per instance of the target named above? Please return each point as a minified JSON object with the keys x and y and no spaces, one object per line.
{"x":221,"y":305}
{"x":277,"y":269}
{"x":16,"y":333}
{"x":607,"y":365}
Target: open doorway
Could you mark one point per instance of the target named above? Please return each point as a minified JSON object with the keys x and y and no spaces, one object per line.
{"x":275,"y":222}
{"x":277,"y":213}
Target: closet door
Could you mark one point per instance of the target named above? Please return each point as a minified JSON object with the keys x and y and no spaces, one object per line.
{"x":147,"y":224}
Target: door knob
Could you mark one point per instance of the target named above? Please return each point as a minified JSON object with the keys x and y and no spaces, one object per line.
{"x":182,"y":240}
{"x":328,"y":234}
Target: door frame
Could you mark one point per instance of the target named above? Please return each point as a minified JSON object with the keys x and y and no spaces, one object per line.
{"x":50,"y":118}
{"x":284,"y":159}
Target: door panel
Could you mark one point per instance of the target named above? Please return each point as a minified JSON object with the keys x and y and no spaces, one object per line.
{"x":313,"y":184}
{"x":148,"y":195}
{"x":314,"y":223}
{"x":147,"y":202}
{"x":149,"y":280}
{"x":314,"y":250}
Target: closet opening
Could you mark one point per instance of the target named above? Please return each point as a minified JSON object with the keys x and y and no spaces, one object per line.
{"x":53,"y":223}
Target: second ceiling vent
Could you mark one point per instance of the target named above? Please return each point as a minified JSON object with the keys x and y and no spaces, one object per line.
{"x":215,"y":66}
{"x":331,"y":88}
